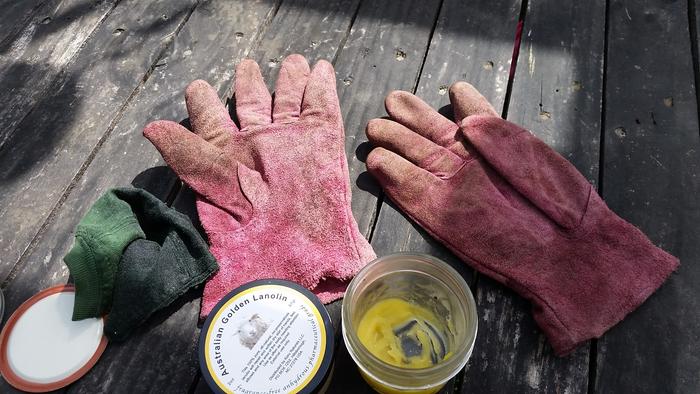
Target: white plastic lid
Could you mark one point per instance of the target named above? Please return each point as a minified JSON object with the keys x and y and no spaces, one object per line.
{"x":42,"y":349}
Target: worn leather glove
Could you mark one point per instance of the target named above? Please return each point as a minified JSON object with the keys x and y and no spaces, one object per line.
{"x":517,"y":211}
{"x":274,"y":194}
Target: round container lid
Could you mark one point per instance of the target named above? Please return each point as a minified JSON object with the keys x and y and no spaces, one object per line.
{"x":42,"y":349}
{"x":267,"y":336}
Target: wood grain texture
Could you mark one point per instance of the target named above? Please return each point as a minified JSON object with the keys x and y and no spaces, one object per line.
{"x":651,"y":179}
{"x":557,"y":95}
{"x":39,"y":53}
{"x":15,"y":16}
{"x":558,"y":86}
{"x":313,"y":28}
{"x":472,"y":43}
{"x":158,"y":356}
{"x":57,"y":137}
{"x":384,"y":52}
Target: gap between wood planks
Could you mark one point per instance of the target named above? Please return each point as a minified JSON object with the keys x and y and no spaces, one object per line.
{"x":76,"y":178}
{"x":459,"y":378}
{"x":416,"y":81}
{"x":693,"y":27}
{"x":593,"y":350}
{"x":380,"y":198}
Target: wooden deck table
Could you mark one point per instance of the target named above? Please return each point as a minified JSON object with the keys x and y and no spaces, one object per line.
{"x":611,"y":85}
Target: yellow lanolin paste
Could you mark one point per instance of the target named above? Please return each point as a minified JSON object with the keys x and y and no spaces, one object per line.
{"x":403,"y":334}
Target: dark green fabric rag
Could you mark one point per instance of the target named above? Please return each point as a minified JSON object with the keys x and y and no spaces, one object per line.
{"x":100,"y":238}
{"x":155,"y":271}
{"x":132,"y":256}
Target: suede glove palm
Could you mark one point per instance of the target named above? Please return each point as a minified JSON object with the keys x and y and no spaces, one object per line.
{"x":517,"y":211}
{"x":273,"y":195}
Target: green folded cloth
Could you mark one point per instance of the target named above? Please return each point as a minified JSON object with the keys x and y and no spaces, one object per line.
{"x":155,"y":271}
{"x":100,"y":238}
{"x":133,"y":255}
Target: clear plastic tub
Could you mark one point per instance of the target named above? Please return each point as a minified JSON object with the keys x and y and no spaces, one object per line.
{"x":428,"y":283}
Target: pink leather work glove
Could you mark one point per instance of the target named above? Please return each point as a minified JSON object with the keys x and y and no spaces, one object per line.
{"x":517,"y":211}
{"x":273,"y":195}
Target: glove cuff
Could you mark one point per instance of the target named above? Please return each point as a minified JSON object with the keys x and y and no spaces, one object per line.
{"x":617,"y":269}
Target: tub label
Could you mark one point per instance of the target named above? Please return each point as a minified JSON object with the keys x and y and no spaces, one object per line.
{"x":266,"y":339}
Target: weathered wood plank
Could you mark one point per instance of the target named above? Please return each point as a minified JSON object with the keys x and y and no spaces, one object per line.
{"x":651,"y":178}
{"x":159,"y":355}
{"x":38,"y":54}
{"x":457,"y":52}
{"x":55,"y":140}
{"x":15,"y":15}
{"x":312,"y":28}
{"x":557,"y":94}
{"x":558,"y":87}
{"x":384,"y":52}
{"x":472,"y":43}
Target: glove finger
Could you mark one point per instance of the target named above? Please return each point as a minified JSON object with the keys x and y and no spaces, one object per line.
{"x":418,"y":116}
{"x":320,"y":97}
{"x":402,"y":180}
{"x":188,"y":154}
{"x":467,"y":101}
{"x":414,"y":147}
{"x":289,"y":90}
{"x":208,"y":116}
{"x":253,"y":100}
{"x":201,"y":165}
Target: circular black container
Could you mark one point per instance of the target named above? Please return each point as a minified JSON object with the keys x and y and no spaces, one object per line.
{"x":267,"y":336}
